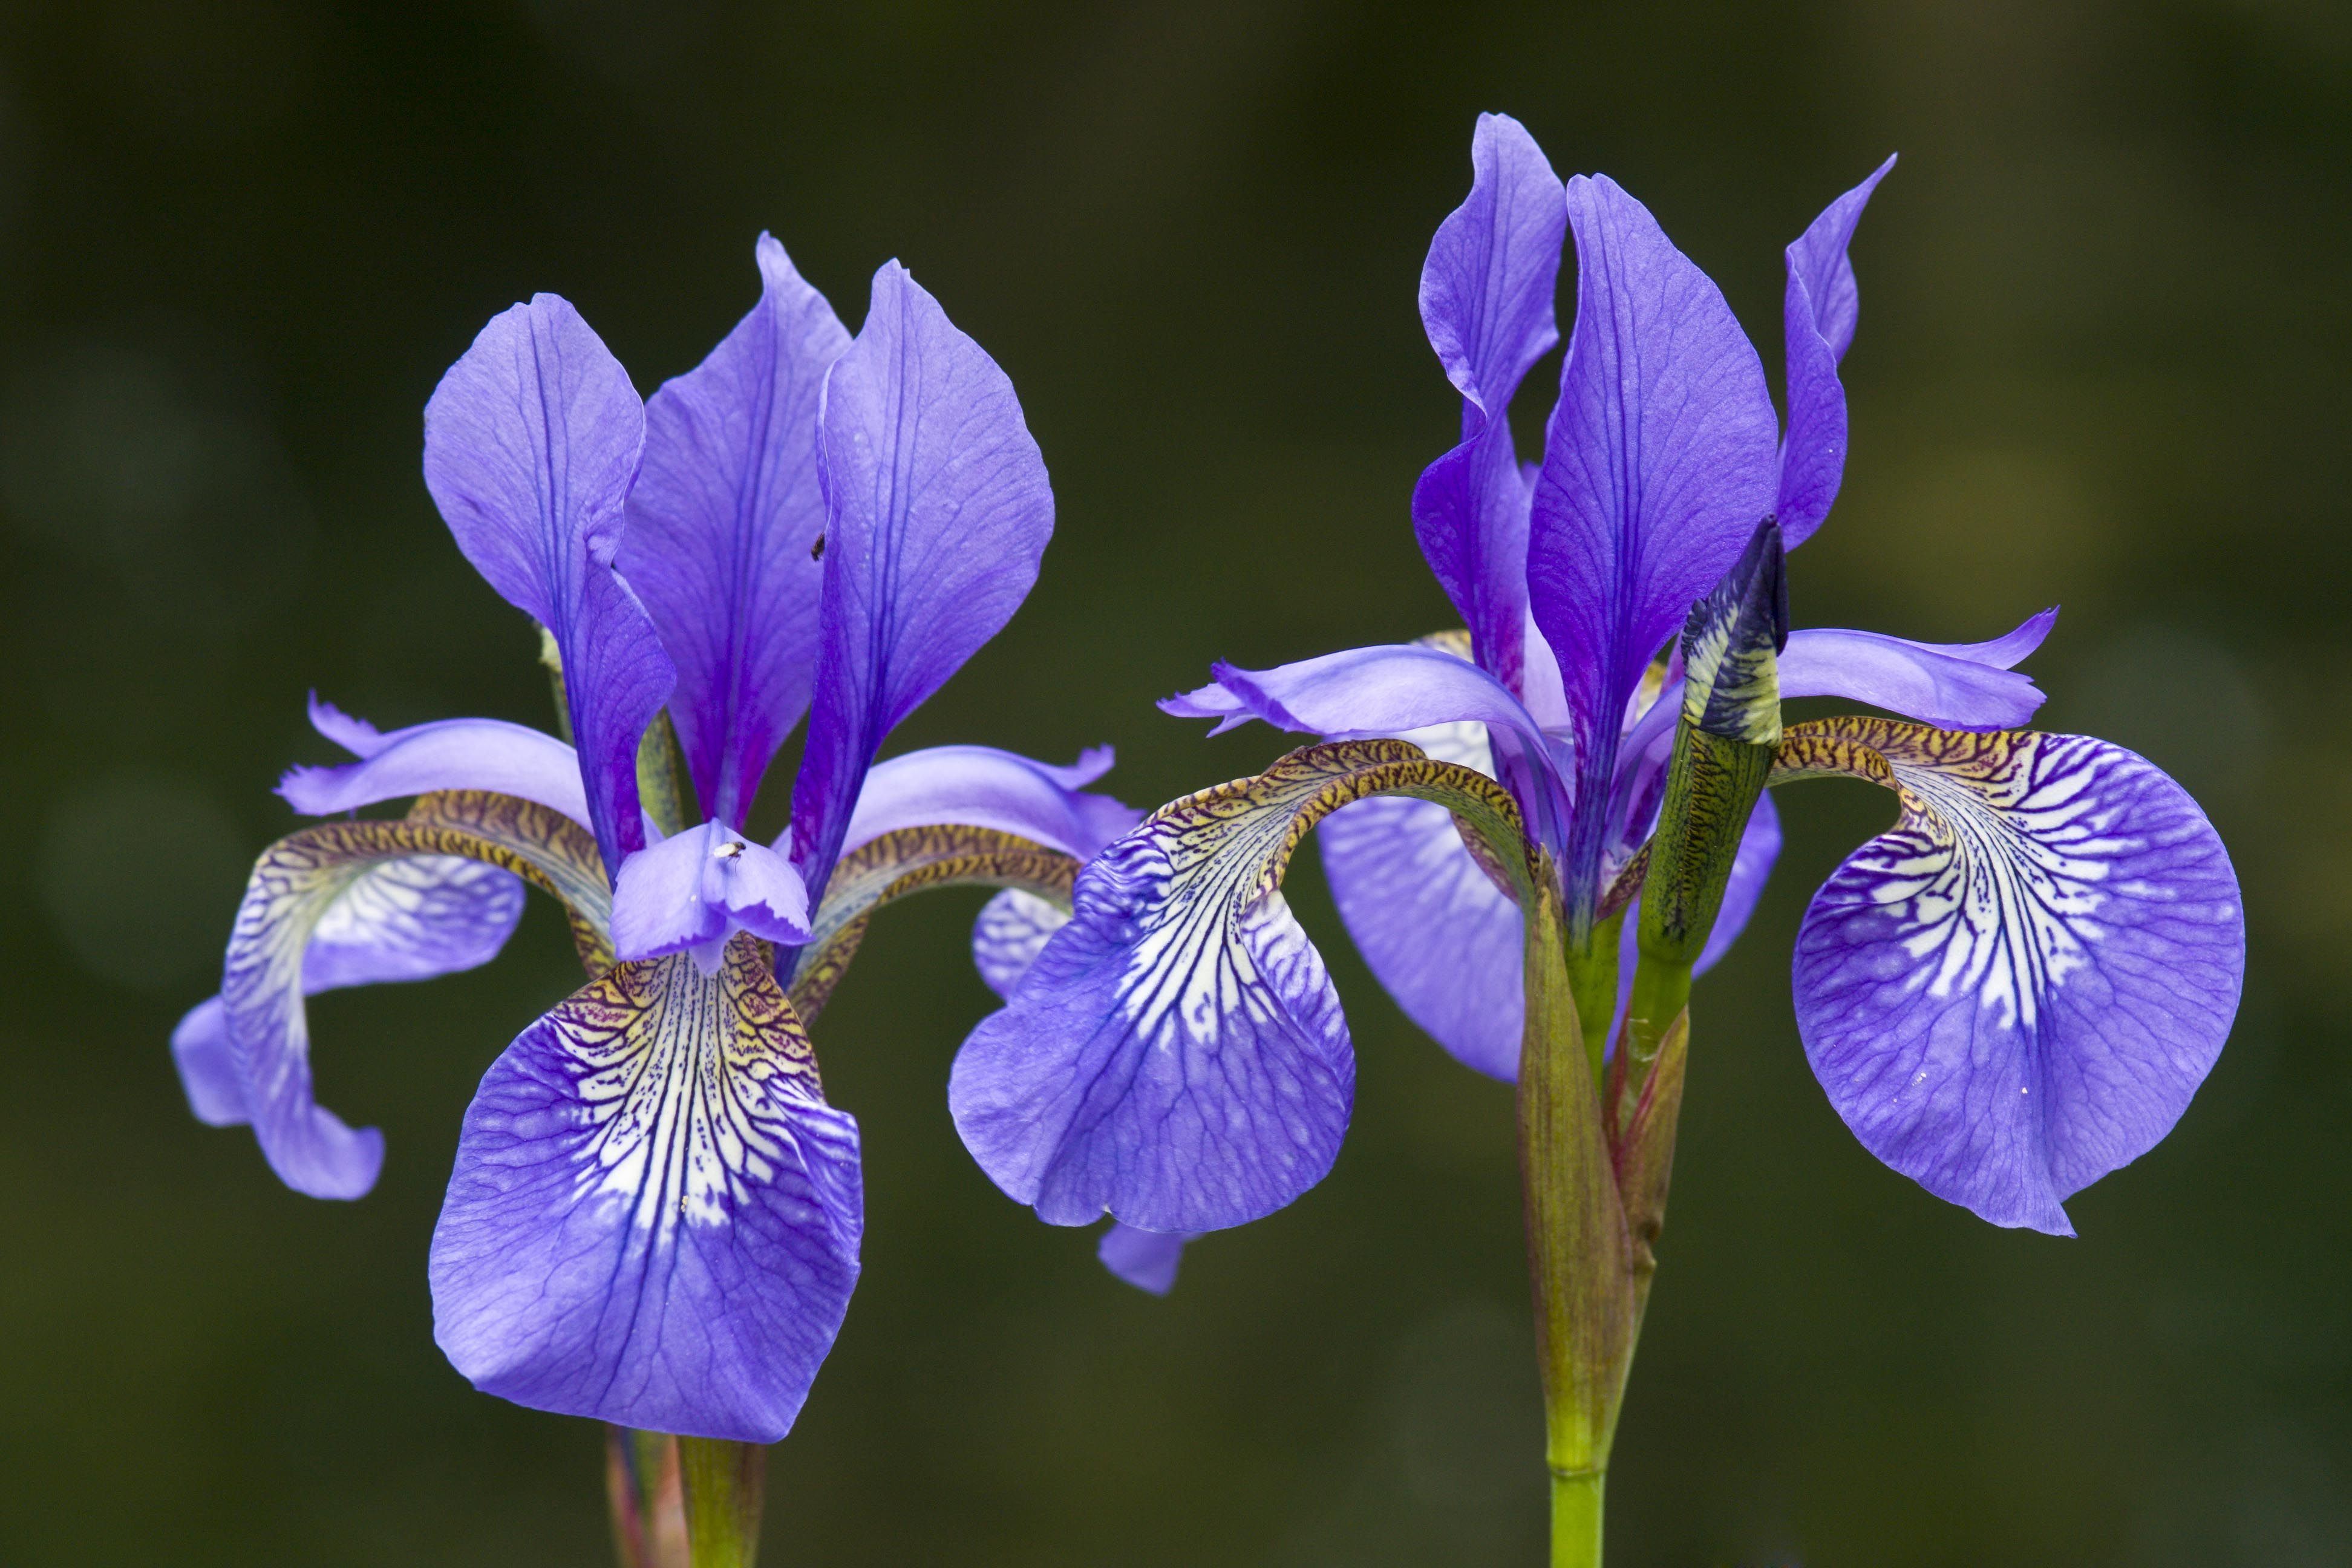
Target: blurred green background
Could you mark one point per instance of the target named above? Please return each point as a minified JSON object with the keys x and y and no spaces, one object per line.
{"x":2103,"y":361}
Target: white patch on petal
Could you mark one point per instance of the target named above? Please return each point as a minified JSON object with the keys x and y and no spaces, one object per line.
{"x":1996,"y":877}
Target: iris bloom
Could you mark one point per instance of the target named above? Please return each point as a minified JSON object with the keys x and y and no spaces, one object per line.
{"x":655,"y":1214}
{"x":2013,"y":991}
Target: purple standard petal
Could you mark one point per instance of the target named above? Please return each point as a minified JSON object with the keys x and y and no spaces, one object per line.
{"x":939,"y":513}
{"x":694,"y":890}
{"x":2017,"y":988}
{"x":1940,"y":684}
{"x":1817,"y":316}
{"x":531,"y":442}
{"x":449,"y":753}
{"x":979,"y":786}
{"x":1145,"y":1259}
{"x":400,"y":920}
{"x":1437,"y":933}
{"x":1177,"y":1055}
{"x":1012,"y":931}
{"x":1487,"y":302}
{"x":655,"y":1217}
{"x":1376,"y":691}
{"x":1657,"y":464}
{"x":723,"y":526}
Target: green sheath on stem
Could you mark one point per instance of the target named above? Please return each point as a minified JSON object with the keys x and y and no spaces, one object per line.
{"x":726,"y":1488}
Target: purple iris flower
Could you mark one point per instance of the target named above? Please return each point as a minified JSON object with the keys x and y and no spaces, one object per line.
{"x":655,"y":1216}
{"x":2014,"y":991}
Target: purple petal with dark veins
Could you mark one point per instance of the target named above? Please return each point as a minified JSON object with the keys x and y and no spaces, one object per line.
{"x":1817,"y":316}
{"x":1486,"y":303}
{"x":1658,"y":463}
{"x":1145,"y":1259}
{"x":979,"y":786}
{"x":655,"y":1217}
{"x":531,"y":442}
{"x":1437,"y":933}
{"x":938,"y":512}
{"x":2017,"y":988}
{"x":449,"y":753}
{"x":1176,"y":1055}
{"x":696,"y":889}
{"x":1012,"y":931}
{"x":723,"y":526}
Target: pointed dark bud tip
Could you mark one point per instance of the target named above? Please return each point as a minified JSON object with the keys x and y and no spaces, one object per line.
{"x":1731,"y":643}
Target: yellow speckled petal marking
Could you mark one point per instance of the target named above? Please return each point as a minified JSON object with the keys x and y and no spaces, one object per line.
{"x":889,"y":868}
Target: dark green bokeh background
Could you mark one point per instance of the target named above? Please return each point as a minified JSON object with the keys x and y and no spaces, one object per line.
{"x":2103,"y":361}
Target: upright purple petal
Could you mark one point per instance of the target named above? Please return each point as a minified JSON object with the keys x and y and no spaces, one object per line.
{"x":938,"y":512}
{"x":979,"y":786}
{"x":1442,"y":940}
{"x":1817,"y":316}
{"x":531,"y":442}
{"x":2017,"y":989}
{"x":1657,"y":464}
{"x":723,"y":528}
{"x":448,"y":754}
{"x":1487,"y":302}
{"x":655,"y":1217}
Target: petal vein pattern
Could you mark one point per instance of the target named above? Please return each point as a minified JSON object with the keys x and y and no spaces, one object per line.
{"x":294,"y":889}
{"x":1177,"y":1055}
{"x":655,"y":1217}
{"x":2017,"y":988}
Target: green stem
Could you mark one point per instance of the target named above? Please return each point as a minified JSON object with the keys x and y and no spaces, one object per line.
{"x":1576,"y":1518}
{"x":726,"y":1490}
{"x":1579,"y":1254}
{"x":643,"y":1483}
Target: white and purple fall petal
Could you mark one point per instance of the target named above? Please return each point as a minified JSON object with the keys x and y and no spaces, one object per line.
{"x":655,"y":1217}
{"x":2018,"y":988}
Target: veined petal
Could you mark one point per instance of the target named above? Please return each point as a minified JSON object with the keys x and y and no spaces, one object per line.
{"x":399,"y":920}
{"x":906,"y":861}
{"x":1369,"y":692}
{"x":1012,"y":931}
{"x":1935,"y":685}
{"x":938,"y":512}
{"x":696,"y":889}
{"x":1177,"y":1056}
{"x":1487,"y":302}
{"x":2018,"y":988}
{"x":381,"y":895}
{"x":1438,"y":934}
{"x":981,"y":786}
{"x":1145,"y":1259}
{"x":1658,"y":463}
{"x":1817,"y":316}
{"x":531,"y":442}
{"x":488,"y":755}
{"x":723,"y":532}
{"x":655,"y":1217}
